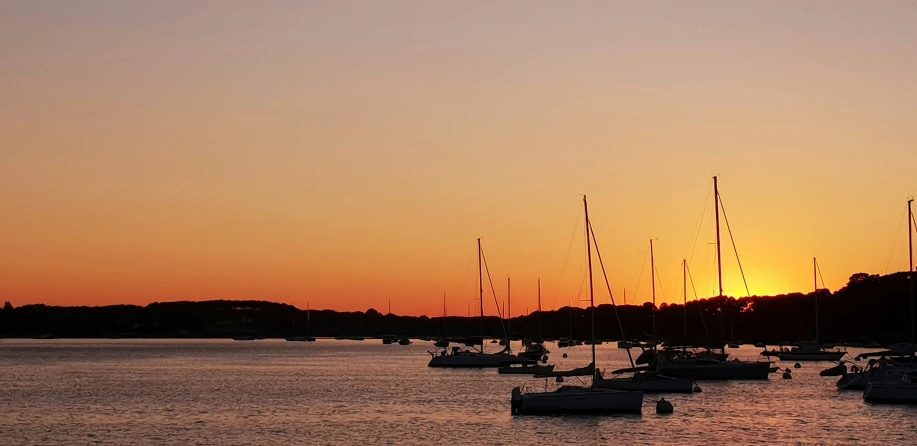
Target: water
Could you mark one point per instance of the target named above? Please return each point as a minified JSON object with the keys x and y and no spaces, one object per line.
{"x":183,"y":392}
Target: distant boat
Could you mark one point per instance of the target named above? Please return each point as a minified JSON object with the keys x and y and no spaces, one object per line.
{"x":306,"y":337}
{"x":734,"y":345}
{"x":811,"y":351}
{"x":570,"y":399}
{"x":388,"y":339}
{"x":404,"y":341}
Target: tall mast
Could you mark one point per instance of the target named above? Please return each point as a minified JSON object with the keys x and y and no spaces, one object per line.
{"x":591,"y":291}
{"x":481,"y":292}
{"x":815,"y":279}
{"x":444,"y":315}
{"x":538,"y":318}
{"x":910,"y":253}
{"x":653,"y":282}
{"x":719,"y":257}
{"x":509,"y":309}
{"x":308,"y":318}
{"x":684,"y":278}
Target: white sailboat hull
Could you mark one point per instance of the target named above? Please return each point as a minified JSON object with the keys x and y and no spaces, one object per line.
{"x":576,"y":400}
{"x":890,"y":392}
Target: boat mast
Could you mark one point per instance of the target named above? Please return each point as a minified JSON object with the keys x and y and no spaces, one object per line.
{"x":653,"y":282}
{"x":538,"y":318}
{"x":910,"y":252}
{"x":815,"y":279}
{"x":719,"y":258}
{"x":308,"y":317}
{"x":444,"y":315}
{"x":481,"y":292}
{"x":684,"y":278}
{"x":509,"y":309}
{"x":591,"y":291}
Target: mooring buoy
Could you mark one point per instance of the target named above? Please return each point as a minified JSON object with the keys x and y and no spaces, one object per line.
{"x":664,"y":407}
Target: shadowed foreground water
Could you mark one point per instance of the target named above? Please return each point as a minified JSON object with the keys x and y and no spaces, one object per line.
{"x":153,"y":392}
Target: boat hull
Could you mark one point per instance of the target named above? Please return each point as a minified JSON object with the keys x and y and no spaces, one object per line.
{"x":723,"y":371}
{"x":472,"y":361}
{"x":529,"y":370}
{"x":654,"y":385}
{"x":811,"y":356}
{"x":891,"y":392}
{"x":578,"y":400}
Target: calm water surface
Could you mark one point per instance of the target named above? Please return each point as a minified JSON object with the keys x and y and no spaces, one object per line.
{"x":182,"y":392}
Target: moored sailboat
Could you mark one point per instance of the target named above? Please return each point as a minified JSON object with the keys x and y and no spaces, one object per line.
{"x":458,"y":357}
{"x":572,"y":399}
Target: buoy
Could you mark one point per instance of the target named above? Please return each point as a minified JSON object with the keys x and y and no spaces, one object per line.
{"x":787,"y":375}
{"x":565,"y":355}
{"x":697,"y":389}
{"x":797,"y":366}
{"x":788,"y":370}
{"x":559,"y":379}
{"x":663,"y":406}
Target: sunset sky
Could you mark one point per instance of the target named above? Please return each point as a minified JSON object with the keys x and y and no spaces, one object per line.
{"x":346,"y":153}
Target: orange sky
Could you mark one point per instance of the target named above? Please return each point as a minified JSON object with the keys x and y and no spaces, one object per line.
{"x":347,"y":153}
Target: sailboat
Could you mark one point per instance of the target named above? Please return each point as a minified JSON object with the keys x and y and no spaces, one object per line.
{"x":305,"y":338}
{"x":572,"y":399}
{"x":811,"y":351}
{"x":647,"y":380}
{"x":711,"y":365}
{"x":903,"y":389}
{"x":534,"y":348}
{"x":457,"y":357}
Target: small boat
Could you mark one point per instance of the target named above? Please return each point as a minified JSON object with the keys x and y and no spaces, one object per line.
{"x":903,"y":391}
{"x":647,"y":382}
{"x":581,"y":371}
{"x":839,"y":370}
{"x":300,"y":339}
{"x":809,"y":352}
{"x":404,"y":341}
{"x":525,"y":369}
{"x":883,"y":369}
{"x":733,"y":345}
{"x":388,"y":339}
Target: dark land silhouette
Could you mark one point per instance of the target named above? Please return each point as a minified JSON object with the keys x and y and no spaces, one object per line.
{"x":869,"y":308}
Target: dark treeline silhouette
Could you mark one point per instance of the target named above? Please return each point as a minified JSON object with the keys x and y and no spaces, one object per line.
{"x":868,"y":308}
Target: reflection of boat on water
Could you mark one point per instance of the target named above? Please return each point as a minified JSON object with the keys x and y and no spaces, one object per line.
{"x":569,"y":399}
{"x":525,"y":369}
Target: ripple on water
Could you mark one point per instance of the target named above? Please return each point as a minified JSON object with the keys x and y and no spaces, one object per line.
{"x":340,"y":392}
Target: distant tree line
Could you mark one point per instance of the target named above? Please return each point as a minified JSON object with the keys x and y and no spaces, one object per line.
{"x":868,"y":308}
